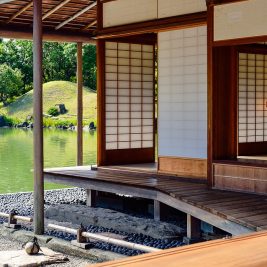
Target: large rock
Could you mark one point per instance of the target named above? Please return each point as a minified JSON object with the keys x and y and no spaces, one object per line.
{"x":61,"y":108}
{"x":92,"y":126}
{"x":2,"y":121}
{"x":19,"y":258}
{"x":112,"y":219}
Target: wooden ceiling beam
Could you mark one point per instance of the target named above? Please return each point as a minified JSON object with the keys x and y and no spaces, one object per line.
{"x":20,"y":12}
{"x":89,"y":25}
{"x":25,"y":33}
{"x":53,"y":10}
{"x":76,"y":15}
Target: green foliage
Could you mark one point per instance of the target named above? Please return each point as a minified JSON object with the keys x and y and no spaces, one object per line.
{"x":53,"y":111}
{"x":59,"y":61}
{"x":89,"y":66}
{"x":10,"y":83}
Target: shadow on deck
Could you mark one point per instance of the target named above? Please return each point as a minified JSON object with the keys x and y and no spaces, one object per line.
{"x":236,"y":213}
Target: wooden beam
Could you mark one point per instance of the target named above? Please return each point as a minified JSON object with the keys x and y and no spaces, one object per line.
{"x":210,"y":37}
{"x":38,"y":119}
{"x":48,"y":35}
{"x":178,"y":22}
{"x":53,"y":10}
{"x":89,"y":25}
{"x":20,"y":11}
{"x":76,"y":15}
{"x":79,"y":104}
{"x":99,"y":15}
{"x":101,"y":112}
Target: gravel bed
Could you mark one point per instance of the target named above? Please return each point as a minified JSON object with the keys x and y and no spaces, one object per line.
{"x":23,"y":204}
{"x":6,"y":244}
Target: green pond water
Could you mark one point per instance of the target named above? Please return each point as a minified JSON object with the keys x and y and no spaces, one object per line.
{"x":16,"y":156}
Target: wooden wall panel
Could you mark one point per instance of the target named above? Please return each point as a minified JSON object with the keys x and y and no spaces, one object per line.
{"x":170,"y":8}
{"x":240,"y":178}
{"x":184,"y":167}
{"x":129,"y":156}
{"x":123,"y":12}
{"x":252,"y":148}
{"x":224,"y":104}
{"x":240,"y":20}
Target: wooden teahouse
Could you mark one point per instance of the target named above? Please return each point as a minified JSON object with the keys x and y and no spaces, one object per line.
{"x":182,"y":87}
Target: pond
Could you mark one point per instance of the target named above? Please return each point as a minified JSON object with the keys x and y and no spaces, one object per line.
{"x":16,"y":155}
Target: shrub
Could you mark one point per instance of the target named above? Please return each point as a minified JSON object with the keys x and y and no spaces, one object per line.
{"x":53,"y":111}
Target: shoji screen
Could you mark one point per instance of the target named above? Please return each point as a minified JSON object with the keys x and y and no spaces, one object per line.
{"x":252,"y":97}
{"x":183,"y":93}
{"x":129,"y":99}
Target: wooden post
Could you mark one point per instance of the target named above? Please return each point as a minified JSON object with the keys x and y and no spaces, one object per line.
{"x":79,"y":105}
{"x":38,"y":118}
{"x":156,"y":210}
{"x":91,"y":198}
{"x":193,"y":227}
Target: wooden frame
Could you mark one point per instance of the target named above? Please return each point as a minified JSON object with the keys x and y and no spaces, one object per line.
{"x":121,"y":156}
{"x":101,"y":157}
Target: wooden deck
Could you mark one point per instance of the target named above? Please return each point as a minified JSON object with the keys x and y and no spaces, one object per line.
{"x":236,"y":213}
{"x":245,"y":251}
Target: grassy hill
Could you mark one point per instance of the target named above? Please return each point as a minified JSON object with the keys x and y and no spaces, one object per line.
{"x":56,"y":92}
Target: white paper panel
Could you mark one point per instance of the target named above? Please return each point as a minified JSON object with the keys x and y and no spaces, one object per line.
{"x":129,"y":95}
{"x":170,"y":8}
{"x":182,"y":93}
{"x":122,"y":12}
{"x":110,"y":146}
{"x":111,"y":138}
{"x":239,"y":20}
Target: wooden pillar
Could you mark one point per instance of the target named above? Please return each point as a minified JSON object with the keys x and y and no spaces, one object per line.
{"x":193,"y":227}
{"x":90,"y":198}
{"x":210,"y":37}
{"x":156,"y":210}
{"x":79,"y":105}
{"x":38,"y":119}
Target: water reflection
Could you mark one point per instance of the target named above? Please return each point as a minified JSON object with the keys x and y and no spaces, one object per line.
{"x":16,"y":155}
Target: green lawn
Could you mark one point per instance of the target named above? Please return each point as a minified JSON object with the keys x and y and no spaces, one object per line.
{"x":56,"y":92}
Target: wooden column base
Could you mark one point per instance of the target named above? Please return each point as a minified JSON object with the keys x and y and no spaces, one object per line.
{"x":156,"y":210}
{"x":91,"y":198}
{"x":193,"y":228}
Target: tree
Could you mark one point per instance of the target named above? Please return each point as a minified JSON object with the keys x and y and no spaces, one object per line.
{"x":59,"y":61}
{"x":10,"y":83}
{"x":89,"y":66}
{"x":18,"y":55}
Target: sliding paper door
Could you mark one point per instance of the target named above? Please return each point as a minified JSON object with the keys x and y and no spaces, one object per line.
{"x":129,"y":103}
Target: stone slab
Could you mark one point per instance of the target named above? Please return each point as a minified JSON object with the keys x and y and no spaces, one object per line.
{"x":78,"y":214}
{"x":20,"y":258}
{"x":81,"y":245}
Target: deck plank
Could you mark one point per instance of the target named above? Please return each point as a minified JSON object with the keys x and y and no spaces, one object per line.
{"x":248,"y":210}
